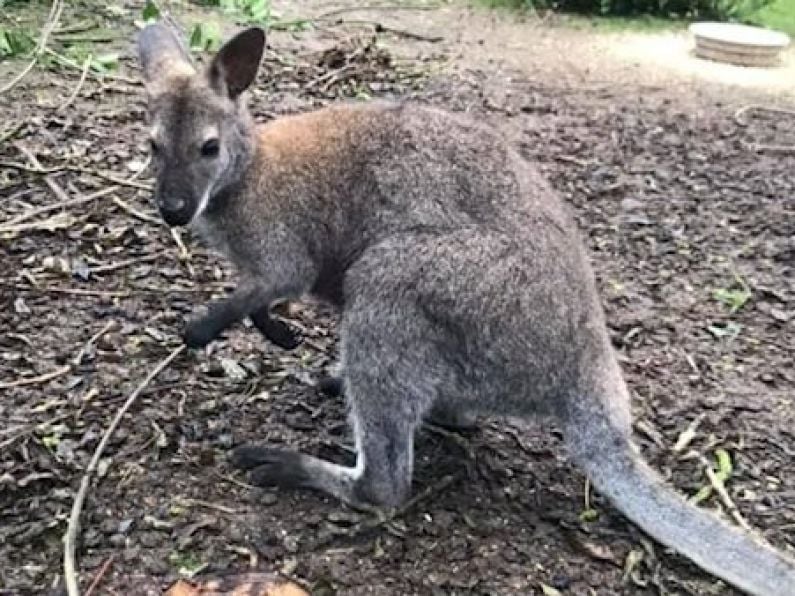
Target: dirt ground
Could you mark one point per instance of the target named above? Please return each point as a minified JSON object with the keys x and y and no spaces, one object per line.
{"x":679,"y":196}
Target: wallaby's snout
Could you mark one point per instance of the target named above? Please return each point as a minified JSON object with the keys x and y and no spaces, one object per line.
{"x":177,"y":205}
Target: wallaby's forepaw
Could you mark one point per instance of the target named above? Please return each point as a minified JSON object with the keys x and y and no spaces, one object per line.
{"x":271,"y":467}
{"x":198,"y":333}
{"x":281,"y":334}
{"x":330,"y":386}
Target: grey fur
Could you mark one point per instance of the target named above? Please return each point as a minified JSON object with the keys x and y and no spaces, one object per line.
{"x":463,"y":286}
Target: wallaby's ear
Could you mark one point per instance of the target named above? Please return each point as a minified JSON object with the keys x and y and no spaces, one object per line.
{"x":235,"y":66}
{"x":162,"y":56}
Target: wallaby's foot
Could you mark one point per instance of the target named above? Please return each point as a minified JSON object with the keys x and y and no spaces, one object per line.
{"x":293,"y":470}
{"x":330,"y":386}
{"x":276,"y":331}
{"x":451,"y":419}
{"x":199,"y":332}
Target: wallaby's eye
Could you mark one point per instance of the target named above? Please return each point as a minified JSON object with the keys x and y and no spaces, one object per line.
{"x":210,"y":148}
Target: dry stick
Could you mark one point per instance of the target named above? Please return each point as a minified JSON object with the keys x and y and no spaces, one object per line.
{"x":773,"y":148}
{"x":80,"y":169}
{"x":70,"y":538}
{"x":78,"y":359}
{"x":102,"y":571}
{"x":137,"y":214}
{"x":72,"y":291}
{"x":73,"y":96}
{"x":64,"y":61}
{"x":55,"y":206}
{"x":381,"y":28}
{"x":720,"y":488}
{"x":738,"y":115}
{"x":52,"y":21}
{"x":36,"y":380}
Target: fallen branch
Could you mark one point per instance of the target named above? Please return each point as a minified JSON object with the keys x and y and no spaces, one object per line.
{"x":100,"y":574}
{"x":72,"y":291}
{"x":54,"y":374}
{"x":55,"y":206}
{"x":381,"y":28}
{"x":49,"y":25}
{"x":381,"y":518}
{"x":738,"y":115}
{"x":720,"y":488}
{"x":772,"y":148}
{"x":73,"y":96}
{"x":78,"y":359}
{"x":137,"y":214}
{"x":42,"y":171}
{"x":72,"y":529}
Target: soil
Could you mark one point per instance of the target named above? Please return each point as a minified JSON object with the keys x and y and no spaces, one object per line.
{"x":678,"y":197}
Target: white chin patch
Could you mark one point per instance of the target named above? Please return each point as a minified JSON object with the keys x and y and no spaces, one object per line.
{"x":203,"y":202}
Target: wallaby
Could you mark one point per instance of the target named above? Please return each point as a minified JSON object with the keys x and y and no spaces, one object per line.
{"x":462,"y":282}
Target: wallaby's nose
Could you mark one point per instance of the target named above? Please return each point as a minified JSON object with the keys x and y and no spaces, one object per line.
{"x":175,"y":209}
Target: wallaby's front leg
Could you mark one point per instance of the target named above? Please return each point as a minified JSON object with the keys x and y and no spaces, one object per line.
{"x":221,"y":315}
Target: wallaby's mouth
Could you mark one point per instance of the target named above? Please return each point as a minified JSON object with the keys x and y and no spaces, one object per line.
{"x":180,"y":217}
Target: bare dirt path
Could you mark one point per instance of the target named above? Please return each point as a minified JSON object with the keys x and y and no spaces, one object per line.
{"x":676,"y":205}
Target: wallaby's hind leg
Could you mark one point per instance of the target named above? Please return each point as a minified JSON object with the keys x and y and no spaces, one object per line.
{"x":384,"y":435}
{"x":387,"y":397}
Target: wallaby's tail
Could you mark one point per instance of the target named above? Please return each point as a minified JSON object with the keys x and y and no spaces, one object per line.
{"x":616,"y":469}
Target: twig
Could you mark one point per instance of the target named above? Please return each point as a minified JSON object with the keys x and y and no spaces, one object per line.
{"x":64,"y":61}
{"x":39,"y":379}
{"x":126,"y":263}
{"x":52,"y":21}
{"x":773,"y":148}
{"x":381,"y":518}
{"x":73,"y":96}
{"x":70,"y":538}
{"x":207,"y":504}
{"x":720,"y":488}
{"x":60,"y":205}
{"x":333,"y":74}
{"x":687,"y":435}
{"x":381,"y":28}
{"x":71,"y":291}
{"x":738,"y":115}
{"x":11,"y":132}
{"x":78,"y":359}
{"x":137,"y":214}
{"x":337,"y":11}
{"x":80,"y":169}
{"x":100,"y":574}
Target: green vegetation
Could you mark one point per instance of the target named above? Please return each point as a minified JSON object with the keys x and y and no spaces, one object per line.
{"x":727,"y":10}
{"x":779,"y":15}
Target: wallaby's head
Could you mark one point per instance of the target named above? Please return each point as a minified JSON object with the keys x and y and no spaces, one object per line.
{"x":201,"y":132}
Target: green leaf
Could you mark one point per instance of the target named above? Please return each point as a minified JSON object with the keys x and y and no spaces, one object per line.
{"x":589,"y":515}
{"x":151,"y":12}
{"x":550,"y":591}
{"x":15,"y":42}
{"x":105,"y":62}
{"x":724,"y":462}
{"x":205,"y":37}
{"x":730,"y":329}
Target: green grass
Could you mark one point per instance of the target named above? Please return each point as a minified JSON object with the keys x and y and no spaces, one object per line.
{"x":780,"y":15}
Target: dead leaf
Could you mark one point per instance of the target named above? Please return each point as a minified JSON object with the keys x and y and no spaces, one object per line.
{"x":247,"y":584}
